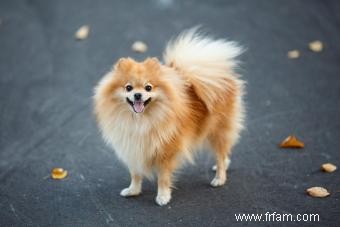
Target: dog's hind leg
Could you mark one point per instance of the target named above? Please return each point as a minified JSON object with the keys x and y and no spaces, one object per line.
{"x":222,"y":149}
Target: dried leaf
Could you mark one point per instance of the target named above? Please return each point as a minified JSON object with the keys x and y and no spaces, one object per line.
{"x":317,"y":192}
{"x":292,"y":142}
{"x":316,"y":46}
{"x":293,"y":54}
{"x":139,"y":47}
{"x":82,"y":32}
{"x":328,"y":167}
{"x":58,"y":173}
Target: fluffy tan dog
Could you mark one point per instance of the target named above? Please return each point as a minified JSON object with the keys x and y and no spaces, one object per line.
{"x":155,"y":115}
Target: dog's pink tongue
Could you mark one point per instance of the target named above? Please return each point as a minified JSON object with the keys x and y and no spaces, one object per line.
{"x":138,"y":107}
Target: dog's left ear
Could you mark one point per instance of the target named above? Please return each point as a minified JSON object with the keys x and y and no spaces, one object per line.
{"x":152,"y":63}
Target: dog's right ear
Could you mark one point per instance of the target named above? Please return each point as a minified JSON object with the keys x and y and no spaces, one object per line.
{"x":123,"y":64}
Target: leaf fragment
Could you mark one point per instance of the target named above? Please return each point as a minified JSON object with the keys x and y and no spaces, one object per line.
{"x":58,"y":173}
{"x":328,"y":167}
{"x":83,"y":32}
{"x":316,"y":46}
{"x":292,"y":142}
{"x":293,"y":54}
{"x":139,"y":47}
{"x":318,"y":192}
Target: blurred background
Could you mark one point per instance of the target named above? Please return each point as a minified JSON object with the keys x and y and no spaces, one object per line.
{"x":47,"y":75}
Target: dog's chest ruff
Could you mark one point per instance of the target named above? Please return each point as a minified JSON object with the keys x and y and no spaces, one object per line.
{"x":137,"y":144}
{"x":134,"y":147}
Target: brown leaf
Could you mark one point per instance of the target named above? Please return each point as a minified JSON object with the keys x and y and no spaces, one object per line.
{"x":292,"y":142}
{"x":58,"y":173}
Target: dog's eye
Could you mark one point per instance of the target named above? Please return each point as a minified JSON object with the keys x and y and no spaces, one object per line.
{"x":128,"y":88}
{"x":148,"y":88}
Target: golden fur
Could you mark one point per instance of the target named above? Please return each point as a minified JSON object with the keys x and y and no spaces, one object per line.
{"x":196,"y":97}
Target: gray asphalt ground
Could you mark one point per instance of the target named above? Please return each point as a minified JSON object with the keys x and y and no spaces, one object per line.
{"x":46,"y":83}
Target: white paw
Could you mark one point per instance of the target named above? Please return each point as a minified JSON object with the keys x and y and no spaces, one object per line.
{"x":216,"y":182}
{"x":163,"y":199}
{"x":129,"y":192}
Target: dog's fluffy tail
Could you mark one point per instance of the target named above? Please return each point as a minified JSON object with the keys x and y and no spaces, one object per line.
{"x":206,"y":62}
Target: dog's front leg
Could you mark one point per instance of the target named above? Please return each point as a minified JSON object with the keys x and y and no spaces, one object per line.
{"x":135,"y":187}
{"x":164,"y":185}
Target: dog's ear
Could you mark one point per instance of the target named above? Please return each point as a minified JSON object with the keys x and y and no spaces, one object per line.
{"x":152,"y":63}
{"x":123,"y":64}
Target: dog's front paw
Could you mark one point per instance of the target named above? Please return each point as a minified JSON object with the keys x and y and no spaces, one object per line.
{"x":217,"y":181}
{"x":129,"y":192}
{"x":163,"y":199}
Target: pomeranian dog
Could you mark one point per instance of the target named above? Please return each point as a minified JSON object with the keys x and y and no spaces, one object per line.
{"x":155,"y":115}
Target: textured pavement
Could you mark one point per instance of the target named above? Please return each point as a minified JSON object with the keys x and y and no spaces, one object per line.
{"x":46,"y":121}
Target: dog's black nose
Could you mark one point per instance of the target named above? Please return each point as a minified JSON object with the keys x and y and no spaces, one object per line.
{"x":138,"y":96}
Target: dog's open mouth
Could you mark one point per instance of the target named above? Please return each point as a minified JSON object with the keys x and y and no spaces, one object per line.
{"x":138,"y":106}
